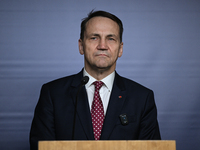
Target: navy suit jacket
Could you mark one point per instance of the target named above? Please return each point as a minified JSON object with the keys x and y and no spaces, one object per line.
{"x":54,"y":113}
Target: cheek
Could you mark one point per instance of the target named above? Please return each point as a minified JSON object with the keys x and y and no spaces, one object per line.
{"x":88,"y":55}
{"x":116,"y":52}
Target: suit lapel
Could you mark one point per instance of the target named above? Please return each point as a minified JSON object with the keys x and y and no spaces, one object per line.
{"x":83,"y":110}
{"x":116,"y":102}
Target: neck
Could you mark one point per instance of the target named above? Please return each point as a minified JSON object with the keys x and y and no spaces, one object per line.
{"x":99,"y":74}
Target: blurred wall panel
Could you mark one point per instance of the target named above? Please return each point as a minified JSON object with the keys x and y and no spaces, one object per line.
{"x":39,"y":43}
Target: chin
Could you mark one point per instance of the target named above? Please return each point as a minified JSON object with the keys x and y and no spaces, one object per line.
{"x":104,"y":67}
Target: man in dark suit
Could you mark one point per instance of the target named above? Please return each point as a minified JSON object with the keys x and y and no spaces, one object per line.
{"x":128,"y":108}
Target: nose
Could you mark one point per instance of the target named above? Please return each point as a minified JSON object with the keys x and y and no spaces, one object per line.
{"x":102,"y":45}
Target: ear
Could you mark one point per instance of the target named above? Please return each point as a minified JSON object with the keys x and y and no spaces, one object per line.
{"x":80,"y":45}
{"x":121,"y":49}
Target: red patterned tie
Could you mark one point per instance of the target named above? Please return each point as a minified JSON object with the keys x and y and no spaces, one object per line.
{"x":97,"y":111}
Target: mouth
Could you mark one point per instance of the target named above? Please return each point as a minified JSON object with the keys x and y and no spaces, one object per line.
{"x":102,"y":55}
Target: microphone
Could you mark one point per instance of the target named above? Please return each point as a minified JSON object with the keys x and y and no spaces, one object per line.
{"x":84,"y":81}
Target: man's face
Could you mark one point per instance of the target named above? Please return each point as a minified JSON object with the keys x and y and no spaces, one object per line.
{"x":101,"y":45}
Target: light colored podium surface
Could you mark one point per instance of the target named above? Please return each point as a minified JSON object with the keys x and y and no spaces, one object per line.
{"x":108,"y":145}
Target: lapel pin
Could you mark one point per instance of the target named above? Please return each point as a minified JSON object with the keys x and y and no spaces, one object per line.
{"x":120,"y":96}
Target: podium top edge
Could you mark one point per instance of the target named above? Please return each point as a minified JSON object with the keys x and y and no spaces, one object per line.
{"x":109,"y":141}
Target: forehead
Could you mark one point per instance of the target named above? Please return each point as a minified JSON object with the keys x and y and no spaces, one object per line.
{"x":102,"y":24}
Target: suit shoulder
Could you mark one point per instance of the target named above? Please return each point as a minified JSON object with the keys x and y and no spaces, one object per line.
{"x":128,"y":83}
{"x":60,"y":83}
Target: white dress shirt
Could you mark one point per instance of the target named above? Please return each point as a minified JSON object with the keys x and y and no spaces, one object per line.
{"x":104,"y":91}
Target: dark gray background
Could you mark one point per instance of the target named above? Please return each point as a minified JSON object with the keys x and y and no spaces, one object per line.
{"x":39,"y":43}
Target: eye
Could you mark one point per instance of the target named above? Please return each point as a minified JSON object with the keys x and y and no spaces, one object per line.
{"x":93,"y":38}
{"x":111,"y":39}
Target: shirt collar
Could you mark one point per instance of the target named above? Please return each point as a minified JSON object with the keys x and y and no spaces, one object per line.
{"x":108,"y":81}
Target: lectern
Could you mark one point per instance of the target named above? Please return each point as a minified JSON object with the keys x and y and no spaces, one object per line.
{"x":107,"y":145}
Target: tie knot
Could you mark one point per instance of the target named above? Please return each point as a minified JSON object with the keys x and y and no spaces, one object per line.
{"x":98,"y":84}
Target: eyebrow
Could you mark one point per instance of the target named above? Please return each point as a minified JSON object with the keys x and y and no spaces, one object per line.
{"x":94,"y":34}
{"x":109,"y":35}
